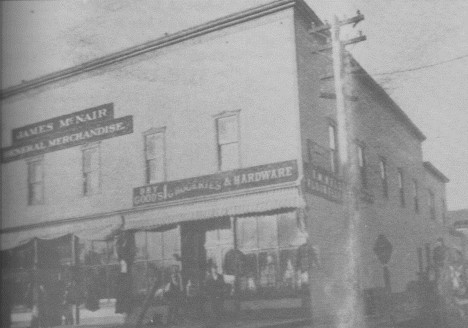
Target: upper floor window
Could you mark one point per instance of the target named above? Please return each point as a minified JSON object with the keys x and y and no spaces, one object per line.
{"x":155,"y":157}
{"x":36,"y":182}
{"x":362,"y":164}
{"x":401,"y":187}
{"x":432,"y":205}
{"x":383,"y":176}
{"x":416,"y":196}
{"x":444,"y":210}
{"x":228,"y":142}
{"x":333,"y":145}
{"x":91,"y":170}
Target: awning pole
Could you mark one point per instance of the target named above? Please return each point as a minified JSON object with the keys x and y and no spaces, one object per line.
{"x":236,"y":277}
{"x":36,"y":257}
{"x":74,"y":262}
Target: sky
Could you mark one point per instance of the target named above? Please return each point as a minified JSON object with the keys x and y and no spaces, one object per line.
{"x":426,"y":39}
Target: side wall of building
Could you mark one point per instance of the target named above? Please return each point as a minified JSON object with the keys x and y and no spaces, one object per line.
{"x":327,"y":227}
{"x":384,"y":135}
{"x":405,"y":223}
{"x":249,"y":67}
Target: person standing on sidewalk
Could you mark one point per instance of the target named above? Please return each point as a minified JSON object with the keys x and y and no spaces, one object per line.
{"x":174,"y":296}
{"x":215,"y":291}
{"x":438,"y":256}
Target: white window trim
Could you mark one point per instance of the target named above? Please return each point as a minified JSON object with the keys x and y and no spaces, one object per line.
{"x":39,"y":158}
{"x":383,"y":172}
{"x":364,"y":161}
{"x":401,"y":186}
{"x":215,"y":118}
{"x":150,"y":131}
{"x":416,"y":203}
{"x":85,"y":147}
{"x":336,"y":150}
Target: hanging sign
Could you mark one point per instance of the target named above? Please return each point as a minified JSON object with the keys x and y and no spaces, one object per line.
{"x":66,"y":131}
{"x":323,"y":183}
{"x":251,"y":177}
{"x":64,"y":122}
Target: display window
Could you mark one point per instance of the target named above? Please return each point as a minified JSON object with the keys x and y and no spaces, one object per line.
{"x":271,"y":245}
{"x":18,"y":263}
{"x":157,"y":253}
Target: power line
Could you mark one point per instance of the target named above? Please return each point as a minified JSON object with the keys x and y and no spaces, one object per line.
{"x":420,"y":67}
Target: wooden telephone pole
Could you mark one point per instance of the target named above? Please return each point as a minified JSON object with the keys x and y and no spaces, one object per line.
{"x":350,"y":313}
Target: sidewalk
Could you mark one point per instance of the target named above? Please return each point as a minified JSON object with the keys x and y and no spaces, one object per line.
{"x":266,"y":323}
{"x":239,"y":324}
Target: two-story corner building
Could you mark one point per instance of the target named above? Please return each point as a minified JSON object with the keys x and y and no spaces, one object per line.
{"x":212,"y":144}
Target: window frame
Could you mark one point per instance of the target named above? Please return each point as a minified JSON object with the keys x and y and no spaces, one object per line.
{"x":416,"y":195}
{"x":401,"y":186}
{"x":84,"y":149}
{"x":333,"y":147}
{"x":362,"y":163}
{"x":383,"y":175}
{"x":146,"y":134}
{"x":34,"y":161}
{"x":216,"y":119}
{"x":444,"y":210}
{"x":432,"y":210}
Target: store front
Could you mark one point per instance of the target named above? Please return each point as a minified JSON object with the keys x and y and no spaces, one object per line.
{"x":51,"y":259}
{"x":270,"y":264}
{"x":246,"y":222}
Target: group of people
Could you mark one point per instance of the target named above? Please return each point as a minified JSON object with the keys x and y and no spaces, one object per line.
{"x":51,"y":300}
{"x":174,"y":295}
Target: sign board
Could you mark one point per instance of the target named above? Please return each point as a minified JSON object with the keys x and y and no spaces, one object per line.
{"x":323,"y":183}
{"x":62,"y":123}
{"x":251,"y":177}
{"x":66,"y":131}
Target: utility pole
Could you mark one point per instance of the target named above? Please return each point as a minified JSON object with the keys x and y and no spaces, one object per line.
{"x":350,"y":312}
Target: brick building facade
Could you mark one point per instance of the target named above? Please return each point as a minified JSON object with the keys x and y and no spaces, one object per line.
{"x":213,"y":139}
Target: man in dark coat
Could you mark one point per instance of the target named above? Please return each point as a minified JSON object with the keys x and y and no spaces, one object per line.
{"x":174,"y":297}
{"x":214,"y":287}
{"x":7,"y":299}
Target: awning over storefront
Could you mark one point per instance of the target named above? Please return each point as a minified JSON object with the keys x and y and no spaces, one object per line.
{"x":228,"y":206}
{"x":93,"y":229}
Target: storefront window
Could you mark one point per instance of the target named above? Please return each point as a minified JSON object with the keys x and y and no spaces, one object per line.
{"x":155,"y":246}
{"x":268,"y":269}
{"x":267,"y":232}
{"x":140,"y":245}
{"x":218,"y":242}
{"x":288,"y":269}
{"x":271,"y":245}
{"x":156,"y":253}
{"x":19,"y":263}
{"x":288,"y":231}
{"x":171,"y":239}
{"x":139,"y":276}
{"x":248,"y":282}
{"x":247,"y":233}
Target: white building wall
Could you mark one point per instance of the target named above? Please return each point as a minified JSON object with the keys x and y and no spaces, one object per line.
{"x":248,"y":67}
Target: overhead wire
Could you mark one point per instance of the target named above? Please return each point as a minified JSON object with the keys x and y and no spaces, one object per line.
{"x":417,"y":68}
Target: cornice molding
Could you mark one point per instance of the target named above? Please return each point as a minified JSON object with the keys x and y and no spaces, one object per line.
{"x":153,"y":45}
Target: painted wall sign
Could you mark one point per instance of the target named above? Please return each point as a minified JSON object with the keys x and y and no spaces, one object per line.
{"x":251,"y":177}
{"x":74,"y":136}
{"x":323,"y":183}
{"x":62,"y":123}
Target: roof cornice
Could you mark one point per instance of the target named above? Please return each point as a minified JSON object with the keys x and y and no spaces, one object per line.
{"x":435,"y":172}
{"x":159,"y":43}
